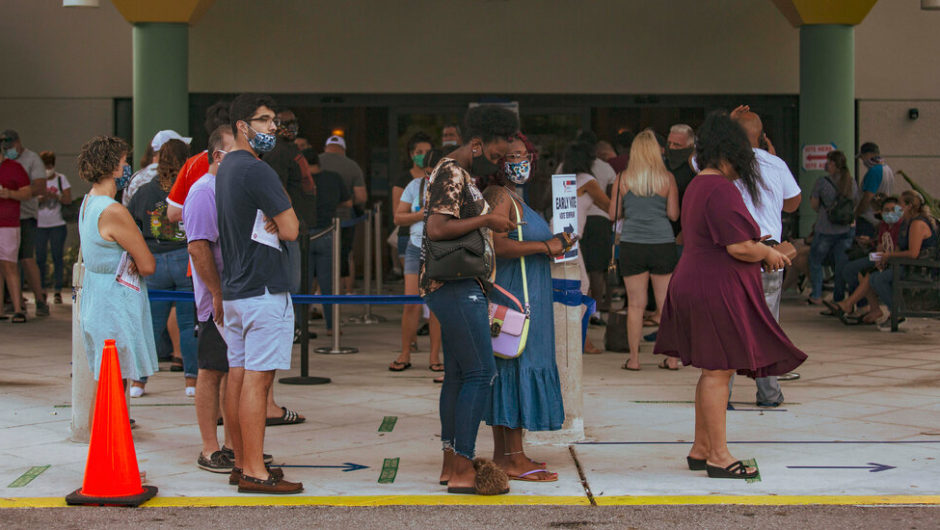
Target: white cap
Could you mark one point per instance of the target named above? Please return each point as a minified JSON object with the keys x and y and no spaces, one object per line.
{"x":163,"y":137}
{"x":336,"y":140}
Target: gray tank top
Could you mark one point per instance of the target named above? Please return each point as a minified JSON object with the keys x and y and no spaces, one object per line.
{"x":645,"y":221}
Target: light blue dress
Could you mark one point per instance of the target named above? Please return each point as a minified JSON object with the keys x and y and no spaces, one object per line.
{"x":109,"y":309}
{"x":527,"y":391}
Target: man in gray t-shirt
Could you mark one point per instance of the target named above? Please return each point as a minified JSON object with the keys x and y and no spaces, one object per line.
{"x":14,"y":150}
{"x":334,"y":159}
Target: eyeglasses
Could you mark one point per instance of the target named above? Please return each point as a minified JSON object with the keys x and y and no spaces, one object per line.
{"x":266,"y":120}
{"x":517,"y":157}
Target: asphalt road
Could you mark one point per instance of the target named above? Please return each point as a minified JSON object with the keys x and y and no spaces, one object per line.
{"x":440,"y":517}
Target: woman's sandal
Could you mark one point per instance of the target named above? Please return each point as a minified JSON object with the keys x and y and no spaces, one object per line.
{"x":524,"y":477}
{"x":18,"y":318}
{"x":696,"y":464}
{"x":436,"y":367}
{"x":176,"y":364}
{"x":834,"y":309}
{"x":627,"y":367}
{"x":736,"y":470}
{"x":398,"y":366}
{"x":665,"y":365}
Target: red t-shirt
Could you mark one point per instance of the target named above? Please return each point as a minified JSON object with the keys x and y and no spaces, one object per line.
{"x":12,"y":177}
{"x":194,"y":169}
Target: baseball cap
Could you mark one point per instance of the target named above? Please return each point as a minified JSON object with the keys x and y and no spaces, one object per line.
{"x":9,"y":136}
{"x":868,"y":147}
{"x":336,"y":140}
{"x":165,"y":136}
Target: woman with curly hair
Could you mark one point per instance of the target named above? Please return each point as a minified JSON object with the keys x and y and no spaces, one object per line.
{"x":714,"y":316}
{"x":526,"y":391}
{"x":167,"y":241}
{"x":110,"y":310}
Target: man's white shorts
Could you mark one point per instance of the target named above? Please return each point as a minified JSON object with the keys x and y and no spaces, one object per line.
{"x":9,"y":243}
{"x":259,"y":332}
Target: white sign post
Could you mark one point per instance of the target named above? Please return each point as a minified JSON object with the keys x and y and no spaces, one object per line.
{"x":814,"y":156}
{"x":565,"y":210}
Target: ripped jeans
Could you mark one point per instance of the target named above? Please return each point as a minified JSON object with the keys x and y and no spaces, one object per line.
{"x":469,"y":367}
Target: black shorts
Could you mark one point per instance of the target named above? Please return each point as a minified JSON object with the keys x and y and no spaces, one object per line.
{"x":595,"y":244}
{"x":211,"y":348}
{"x":27,"y":239}
{"x":637,"y":258}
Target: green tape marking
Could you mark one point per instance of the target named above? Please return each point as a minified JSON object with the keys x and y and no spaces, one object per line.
{"x":389,"y":471}
{"x":28,"y":477}
{"x":752,"y":462}
{"x":388,"y":423}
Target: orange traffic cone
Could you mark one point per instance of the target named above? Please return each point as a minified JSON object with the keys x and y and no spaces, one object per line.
{"x":111,"y":474}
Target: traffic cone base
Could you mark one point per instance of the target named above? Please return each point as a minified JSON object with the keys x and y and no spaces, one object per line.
{"x":112,"y":477}
{"x":77,"y":498}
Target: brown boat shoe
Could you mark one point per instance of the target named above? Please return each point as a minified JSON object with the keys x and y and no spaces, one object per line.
{"x":236,"y":474}
{"x":272,"y":485}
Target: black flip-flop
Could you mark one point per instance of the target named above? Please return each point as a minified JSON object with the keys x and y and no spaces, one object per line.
{"x":436,"y":367}
{"x":665,"y":365}
{"x":288,"y":418}
{"x":834,"y":309}
{"x":394,"y":367}
{"x":18,"y":318}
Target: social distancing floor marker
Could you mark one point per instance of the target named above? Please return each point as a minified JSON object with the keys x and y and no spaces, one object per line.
{"x":389,"y":470}
{"x":28,"y":477}
{"x":444,"y":499}
{"x":388,"y":423}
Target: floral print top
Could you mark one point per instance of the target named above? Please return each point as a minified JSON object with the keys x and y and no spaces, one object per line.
{"x":451,"y":191}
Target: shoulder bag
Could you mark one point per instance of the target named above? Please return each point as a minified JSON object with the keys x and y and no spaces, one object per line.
{"x":842,"y":210}
{"x":457,"y":259}
{"x":69,"y":211}
{"x":614,"y":279}
{"x":509,"y":328}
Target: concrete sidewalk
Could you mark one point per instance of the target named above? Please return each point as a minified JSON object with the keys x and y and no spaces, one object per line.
{"x":862,"y":426}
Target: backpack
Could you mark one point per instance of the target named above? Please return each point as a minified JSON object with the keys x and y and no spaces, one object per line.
{"x":842,"y":210}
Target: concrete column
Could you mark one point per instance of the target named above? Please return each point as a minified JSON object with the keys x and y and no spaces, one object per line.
{"x":827,"y":99}
{"x":568,"y":357}
{"x":83,"y":382}
{"x":161,"y":82}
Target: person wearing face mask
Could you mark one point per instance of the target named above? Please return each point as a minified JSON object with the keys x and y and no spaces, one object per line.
{"x":526,"y":391}
{"x":856,"y":273}
{"x":111,"y":310}
{"x":418,"y":146}
{"x":450,"y":137}
{"x":256,"y":284}
{"x":679,"y":147}
{"x":409,"y":215}
{"x":51,"y":229}
{"x":455,"y":207}
{"x":879,"y":178}
{"x":831,"y":238}
{"x":197,"y":165}
{"x":917,"y":238}
{"x":13,"y":150}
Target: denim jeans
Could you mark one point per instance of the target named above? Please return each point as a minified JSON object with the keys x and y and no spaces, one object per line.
{"x":882,"y":282}
{"x":825,"y":245}
{"x":170,"y":275}
{"x":851,"y":271}
{"x":53,"y":237}
{"x":469,"y":367}
{"x":320,"y":266}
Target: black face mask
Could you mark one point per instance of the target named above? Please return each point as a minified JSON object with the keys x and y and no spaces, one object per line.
{"x":482,"y":167}
{"x":676,"y":157}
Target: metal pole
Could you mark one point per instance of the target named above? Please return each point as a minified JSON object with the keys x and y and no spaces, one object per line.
{"x":302,"y":314}
{"x":336,"y":348}
{"x":367,"y":317}
{"x":379,"y":240}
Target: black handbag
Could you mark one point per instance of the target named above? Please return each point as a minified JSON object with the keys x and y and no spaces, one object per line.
{"x":70,"y":211}
{"x":457,"y":259}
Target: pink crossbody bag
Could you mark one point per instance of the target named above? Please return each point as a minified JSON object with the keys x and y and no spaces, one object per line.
{"x":510,"y":327}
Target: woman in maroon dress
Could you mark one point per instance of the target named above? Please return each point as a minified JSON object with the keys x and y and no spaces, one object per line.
{"x":715,"y":317}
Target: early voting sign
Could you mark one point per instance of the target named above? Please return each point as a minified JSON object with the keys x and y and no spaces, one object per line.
{"x":565,"y":210}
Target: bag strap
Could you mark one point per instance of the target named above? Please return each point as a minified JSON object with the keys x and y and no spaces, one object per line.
{"x":510,"y":296}
{"x":525,"y":281}
{"x":613,"y":222}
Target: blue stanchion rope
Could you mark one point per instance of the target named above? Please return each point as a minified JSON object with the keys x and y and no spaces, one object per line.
{"x":568,"y":292}
{"x":187,"y":296}
{"x":352,"y":222}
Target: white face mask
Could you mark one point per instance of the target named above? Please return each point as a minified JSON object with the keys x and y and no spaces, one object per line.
{"x":50,"y":173}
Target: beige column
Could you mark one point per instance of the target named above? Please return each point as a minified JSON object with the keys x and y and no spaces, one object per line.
{"x":568,"y":357}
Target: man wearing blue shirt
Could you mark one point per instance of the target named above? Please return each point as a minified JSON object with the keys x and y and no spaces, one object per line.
{"x":878,"y":179}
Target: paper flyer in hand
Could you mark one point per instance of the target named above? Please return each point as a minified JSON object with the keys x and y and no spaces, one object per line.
{"x":125,"y":276}
{"x":260,"y":235}
{"x":565,"y":210}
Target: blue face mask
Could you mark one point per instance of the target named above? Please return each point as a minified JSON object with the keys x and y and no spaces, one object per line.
{"x":518,"y":172}
{"x":11,"y":153}
{"x":125,"y":178}
{"x":262,"y":142}
{"x":893,"y":216}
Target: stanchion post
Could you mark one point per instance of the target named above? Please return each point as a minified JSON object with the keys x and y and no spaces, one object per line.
{"x":379,"y":240}
{"x":336,"y":348}
{"x":367,"y":317}
{"x":302,"y":314}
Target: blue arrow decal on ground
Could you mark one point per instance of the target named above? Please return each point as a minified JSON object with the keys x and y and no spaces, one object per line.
{"x":872,"y":467}
{"x":346,"y":467}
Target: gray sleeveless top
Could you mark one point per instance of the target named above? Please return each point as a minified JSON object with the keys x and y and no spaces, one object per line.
{"x":645,"y":221}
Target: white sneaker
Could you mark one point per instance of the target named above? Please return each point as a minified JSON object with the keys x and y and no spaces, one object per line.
{"x":136,"y":391}
{"x":190,"y":391}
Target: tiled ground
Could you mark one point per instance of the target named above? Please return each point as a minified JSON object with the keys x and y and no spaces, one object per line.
{"x":859,"y":385}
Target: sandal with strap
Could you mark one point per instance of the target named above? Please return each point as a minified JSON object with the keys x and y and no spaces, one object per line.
{"x":524,"y":477}
{"x":289,"y":417}
{"x":18,"y":318}
{"x":735,"y":470}
{"x":398,"y":366}
{"x":436,"y":367}
{"x":696,"y":464}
